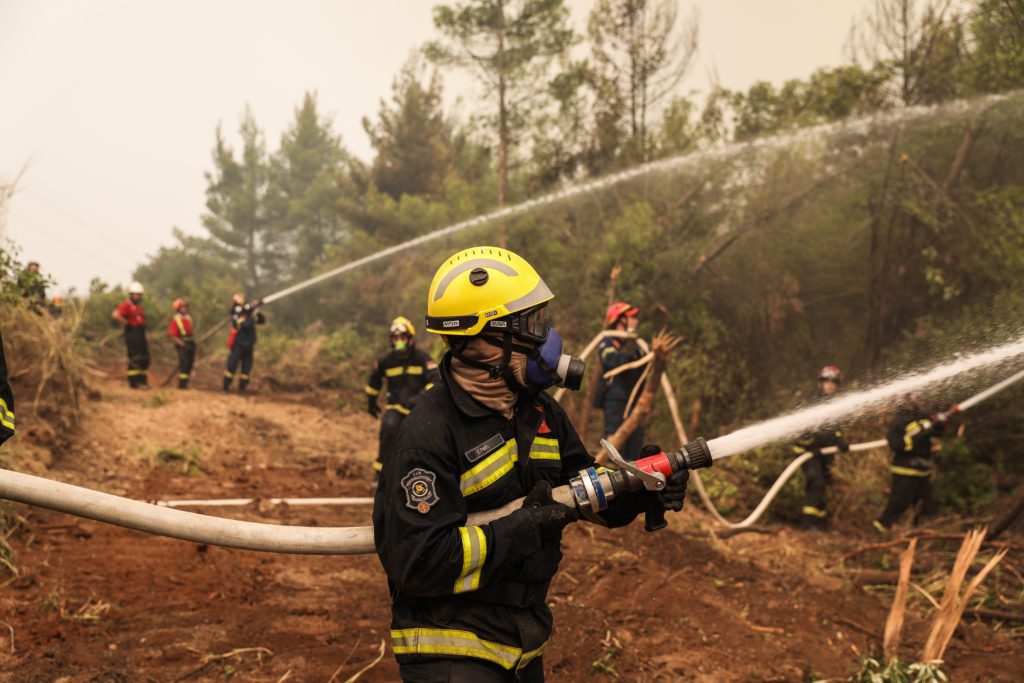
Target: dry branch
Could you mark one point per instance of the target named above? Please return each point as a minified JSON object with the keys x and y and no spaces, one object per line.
{"x":661,"y":346}
{"x":894,"y":622}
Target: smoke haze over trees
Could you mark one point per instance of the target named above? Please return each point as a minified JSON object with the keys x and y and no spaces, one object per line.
{"x":865,"y":249}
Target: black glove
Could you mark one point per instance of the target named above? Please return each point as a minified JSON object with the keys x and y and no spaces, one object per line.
{"x":671,"y":497}
{"x":550,"y":516}
{"x":372,"y":408}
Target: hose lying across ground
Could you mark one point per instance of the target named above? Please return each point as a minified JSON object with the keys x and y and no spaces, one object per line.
{"x":189,"y":526}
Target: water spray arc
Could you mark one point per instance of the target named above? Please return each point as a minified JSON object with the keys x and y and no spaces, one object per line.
{"x":589,"y":490}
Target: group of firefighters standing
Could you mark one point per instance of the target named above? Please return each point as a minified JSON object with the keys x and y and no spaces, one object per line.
{"x":131,"y":316}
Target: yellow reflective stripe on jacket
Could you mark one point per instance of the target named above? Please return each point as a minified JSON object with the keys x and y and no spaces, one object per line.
{"x":133,"y":373}
{"x":799,"y":450}
{"x":446,"y":641}
{"x":378,"y":465}
{"x":414,"y":369}
{"x":532,"y":655}
{"x":474,"y":554}
{"x":909,"y":472}
{"x":399,"y":407}
{"x":181,"y":328}
{"x":490,"y":469}
{"x":6,"y":415}
{"x":430,"y":385}
{"x":814,"y":512}
{"x":404,"y":370}
{"x":544,"y":448}
{"x":371,"y":391}
{"x":394,"y":372}
{"x":912,"y":430}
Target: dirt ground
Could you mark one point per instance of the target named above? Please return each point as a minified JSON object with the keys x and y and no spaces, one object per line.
{"x":95,"y":602}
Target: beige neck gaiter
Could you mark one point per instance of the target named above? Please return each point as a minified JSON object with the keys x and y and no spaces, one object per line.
{"x":492,"y":392}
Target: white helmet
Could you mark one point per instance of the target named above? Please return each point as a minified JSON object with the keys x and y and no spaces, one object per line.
{"x":135,"y":288}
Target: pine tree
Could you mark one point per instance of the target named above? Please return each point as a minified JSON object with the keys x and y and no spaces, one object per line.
{"x":412,"y":138}
{"x":510,"y":45}
{"x":236,"y":215}
{"x":309,"y":181}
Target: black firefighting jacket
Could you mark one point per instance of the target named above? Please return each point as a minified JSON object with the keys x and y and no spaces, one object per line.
{"x":909,"y":438}
{"x":6,"y":399}
{"x":409,"y":373}
{"x":244,"y":322}
{"x":612,"y":353}
{"x":474,"y":591}
{"x":823,"y":438}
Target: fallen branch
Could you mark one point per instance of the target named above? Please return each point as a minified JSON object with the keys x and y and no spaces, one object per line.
{"x":209,"y":659}
{"x":354,"y":677}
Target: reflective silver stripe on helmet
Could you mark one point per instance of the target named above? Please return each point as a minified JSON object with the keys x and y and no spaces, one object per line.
{"x":470,"y":265}
{"x":539,"y":295}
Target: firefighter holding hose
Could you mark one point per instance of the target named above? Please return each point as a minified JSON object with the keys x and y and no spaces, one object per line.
{"x":818,"y":470}
{"x":910,"y":438}
{"x":469,"y":601}
{"x":245,"y":316}
{"x":409,"y":372}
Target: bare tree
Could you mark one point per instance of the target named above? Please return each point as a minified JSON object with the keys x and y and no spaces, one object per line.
{"x":641,"y":50}
{"x":919,"y":42}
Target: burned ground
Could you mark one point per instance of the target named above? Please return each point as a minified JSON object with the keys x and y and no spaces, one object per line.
{"x":98,"y":603}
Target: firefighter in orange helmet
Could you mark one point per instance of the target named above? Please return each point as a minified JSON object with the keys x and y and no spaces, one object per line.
{"x":180,"y":331}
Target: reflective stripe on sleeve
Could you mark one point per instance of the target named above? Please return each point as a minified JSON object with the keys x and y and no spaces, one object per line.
{"x":444,"y":641}
{"x":490,"y":469}
{"x":812,"y":511}
{"x":912,"y":430}
{"x":6,"y":415}
{"x":399,"y":407}
{"x":430,"y":385}
{"x":544,"y":448}
{"x":474,"y":554}
{"x":909,"y":472}
{"x":394,"y":372}
{"x":371,"y":391}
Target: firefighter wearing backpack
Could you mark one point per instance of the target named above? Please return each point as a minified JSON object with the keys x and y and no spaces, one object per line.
{"x":245,"y":317}
{"x":409,"y":372}
{"x":613,"y":395}
{"x":180,"y":332}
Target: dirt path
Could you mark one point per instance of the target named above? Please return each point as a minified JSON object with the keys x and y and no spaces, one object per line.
{"x":99,"y":603}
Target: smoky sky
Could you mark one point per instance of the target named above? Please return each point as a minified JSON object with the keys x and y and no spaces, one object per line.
{"x":112,"y":104}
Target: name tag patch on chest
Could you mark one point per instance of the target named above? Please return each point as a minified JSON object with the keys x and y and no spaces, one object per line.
{"x":492,"y":444}
{"x":420,"y":490}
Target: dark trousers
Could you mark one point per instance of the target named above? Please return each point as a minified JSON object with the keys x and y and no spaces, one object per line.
{"x":817,"y":477}
{"x":186,"y":359}
{"x":906,"y":493}
{"x":239,"y":356}
{"x":138,"y":356}
{"x":468,"y":670}
{"x":390,"y":421}
{"x":613,"y":419}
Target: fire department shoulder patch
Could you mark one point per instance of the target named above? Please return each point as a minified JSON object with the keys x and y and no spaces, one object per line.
{"x":420,"y":492}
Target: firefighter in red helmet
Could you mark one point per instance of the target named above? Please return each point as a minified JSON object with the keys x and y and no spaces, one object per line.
{"x":613,"y":395}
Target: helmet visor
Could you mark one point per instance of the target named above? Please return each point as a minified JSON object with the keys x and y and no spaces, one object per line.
{"x":534,"y":324}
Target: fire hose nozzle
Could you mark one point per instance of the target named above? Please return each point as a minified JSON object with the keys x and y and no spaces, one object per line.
{"x":696,"y":455}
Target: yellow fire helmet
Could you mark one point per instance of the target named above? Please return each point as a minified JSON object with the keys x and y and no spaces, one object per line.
{"x":478,"y":287}
{"x":402,"y":325}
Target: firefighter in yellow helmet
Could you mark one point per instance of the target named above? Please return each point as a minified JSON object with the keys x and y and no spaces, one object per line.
{"x":409,"y":372}
{"x":469,"y":601}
